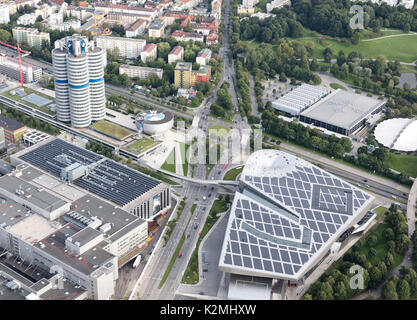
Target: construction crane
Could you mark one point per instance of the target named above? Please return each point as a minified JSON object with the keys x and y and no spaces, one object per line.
{"x":20,"y":56}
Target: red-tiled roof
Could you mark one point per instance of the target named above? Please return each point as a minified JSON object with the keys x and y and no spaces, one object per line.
{"x":136,"y":25}
{"x":149,"y":47}
{"x":176,"y":50}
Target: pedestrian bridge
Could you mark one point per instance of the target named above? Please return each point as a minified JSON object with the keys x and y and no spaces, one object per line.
{"x":200,"y":181}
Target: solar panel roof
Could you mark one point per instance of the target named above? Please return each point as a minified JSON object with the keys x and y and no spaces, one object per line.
{"x":283,"y":219}
{"x":108,"y":179}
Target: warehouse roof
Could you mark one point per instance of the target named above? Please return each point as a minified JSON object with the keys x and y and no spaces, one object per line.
{"x":342,"y":108}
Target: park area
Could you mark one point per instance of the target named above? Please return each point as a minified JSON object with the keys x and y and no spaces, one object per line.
{"x":402,"y":47}
{"x":111,"y":130}
{"x":403,"y":163}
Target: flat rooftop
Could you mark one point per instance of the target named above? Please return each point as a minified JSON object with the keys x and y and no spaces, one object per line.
{"x":33,"y":228}
{"x":38,"y":196}
{"x":86,"y":263}
{"x":185,"y":66}
{"x":119,"y":219}
{"x":108,"y":179}
{"x":342,"y":108}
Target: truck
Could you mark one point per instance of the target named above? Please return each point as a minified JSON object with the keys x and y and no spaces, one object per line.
{"x":137,"y":261}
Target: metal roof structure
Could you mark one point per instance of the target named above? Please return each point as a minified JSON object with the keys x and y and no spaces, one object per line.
{"x":342,"y":109}
{"x":286,"y":216}
{"x":299,"y":99}
{"x":105,"y":178}
{"x":398,"y":134}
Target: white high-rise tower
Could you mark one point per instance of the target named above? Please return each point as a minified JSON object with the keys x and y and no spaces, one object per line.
{"x":79,"y":81}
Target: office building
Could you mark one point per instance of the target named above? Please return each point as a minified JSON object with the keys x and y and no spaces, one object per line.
{"x":127,"y":48}
{"x":13,"y":130}
{"x":10,"y":67}
{"x":140,"y":72}
{"x":79,"y":81}
{"x":31,"y":36}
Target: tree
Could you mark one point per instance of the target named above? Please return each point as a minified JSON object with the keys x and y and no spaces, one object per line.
{"x":163,"y":50}
{"x":389,"y":291}
{"x":5,"y":35}
{"x":403,"y":289}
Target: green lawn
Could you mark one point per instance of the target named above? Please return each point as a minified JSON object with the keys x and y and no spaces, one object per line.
{"x":233,"y":173}
{"x":111,"y":129}
{"x":28,"y":91}
{"x":169,"y":164}
{"x":142,"y":145}
{"x":402,"y":48}
{"x":381,"y":212}
{"x":172,"y":261}
{"x":337,"y":86}
{"x":403,"y":163}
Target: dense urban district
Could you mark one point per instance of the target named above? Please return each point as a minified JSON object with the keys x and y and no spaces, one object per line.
{"x":208,"y":150}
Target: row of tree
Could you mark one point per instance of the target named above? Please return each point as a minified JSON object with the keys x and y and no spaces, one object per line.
{"x":31,"y":122}
{"x":305,"y":136}
{"x":223,"y":107}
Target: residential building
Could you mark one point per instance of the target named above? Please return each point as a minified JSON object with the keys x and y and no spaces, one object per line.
{"x":203,"y":57}
{"x":201,"y":75}
{"x":150,"y":12}
{"x":182,"y":75}
{"x":216,"y":9}
{"x":156,"y":28}
{"x":26,"y":19}
{"x":31,"y":36}
{"x":126,"y":19}
{"x":149,"y":52}
{"x":187,"y":36}
{"x":4,"y":14}
{"x":177,"y":53}
{"x":13,"y":130}
{"x":128,"y":48}
{"x":137,"y":28}
{"x":139,"y":72}
{"x":79,"y":81}
{"x":11,"y":68}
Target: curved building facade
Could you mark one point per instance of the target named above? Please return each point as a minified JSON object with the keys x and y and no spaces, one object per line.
{"x":79,"y":81}
{"x":154,"y":122}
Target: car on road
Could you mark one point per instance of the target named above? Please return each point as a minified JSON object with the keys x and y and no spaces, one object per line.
{"x":209,"y":195}
{"x":180,"y":255}
{"x":195,"y":226}
{"x":219,"y":172}
{"x":188,"y":235}
{"x":205,"y":270}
